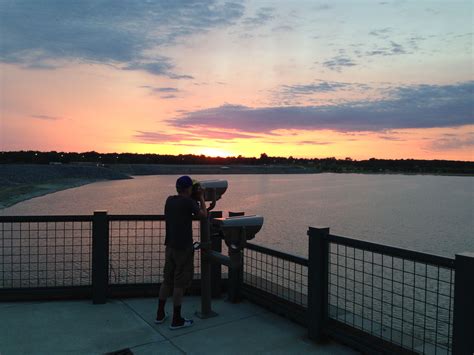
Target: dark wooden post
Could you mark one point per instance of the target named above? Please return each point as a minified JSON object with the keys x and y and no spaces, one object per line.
{"x":206,"y":306}
{"x":100,"y":257}
{"x":463,"y":321}
{"x":317,"y":281}
{"x":216,"y":268}
{"x":236,"y":275}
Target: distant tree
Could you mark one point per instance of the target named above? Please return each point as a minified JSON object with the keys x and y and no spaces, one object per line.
{"x":264,"y":158}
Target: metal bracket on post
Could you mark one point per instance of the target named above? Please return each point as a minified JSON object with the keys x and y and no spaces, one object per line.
{"x":216,"y":268}
{"x":100,"y":257}
{"x":317,"y":281}
{"x":236,"y":275}
{"x":463,"y":321}
{"x":206,"y":292}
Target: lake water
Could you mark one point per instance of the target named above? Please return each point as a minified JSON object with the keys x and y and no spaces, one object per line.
{"x":432,"y":214}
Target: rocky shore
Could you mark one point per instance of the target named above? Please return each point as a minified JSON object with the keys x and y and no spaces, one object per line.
{"x":20,"y":182}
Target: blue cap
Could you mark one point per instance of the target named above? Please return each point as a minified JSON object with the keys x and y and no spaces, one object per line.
{"x":184,"y":182}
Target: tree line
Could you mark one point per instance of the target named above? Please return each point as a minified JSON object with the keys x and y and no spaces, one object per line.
{"x":330,"y":164}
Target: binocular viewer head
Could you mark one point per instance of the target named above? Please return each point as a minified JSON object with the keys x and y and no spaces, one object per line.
{"x":211,"y":187}
{"x":238,"y":230}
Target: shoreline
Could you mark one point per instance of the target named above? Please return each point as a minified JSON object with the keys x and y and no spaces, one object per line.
{"x":20,"y":183}
{"x":11,"y":196}
{"x":25,"y":181}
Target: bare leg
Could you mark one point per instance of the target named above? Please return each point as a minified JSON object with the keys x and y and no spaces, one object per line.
{"x":178,"y":296}
{"x":165,"y":291}
{"x":177,"y":299}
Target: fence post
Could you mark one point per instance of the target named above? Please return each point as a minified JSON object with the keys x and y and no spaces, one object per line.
{"x":216,"y":268}
{"x":317,"y":281}
{"x":463,"y":321}
{"x":236,"y":276}
{"x":100,"y":257}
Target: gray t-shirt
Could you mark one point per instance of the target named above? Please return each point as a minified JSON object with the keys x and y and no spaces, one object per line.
{"x":179,"y":211}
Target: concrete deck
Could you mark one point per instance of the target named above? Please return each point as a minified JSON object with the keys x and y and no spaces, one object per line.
{"x":79,"y":327}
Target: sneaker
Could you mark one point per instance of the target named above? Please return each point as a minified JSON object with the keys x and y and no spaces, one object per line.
{"x":183,"y":324}
{"x":160,"y":321}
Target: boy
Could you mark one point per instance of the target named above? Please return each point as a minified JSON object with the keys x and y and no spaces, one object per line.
{"x":179,"y":254}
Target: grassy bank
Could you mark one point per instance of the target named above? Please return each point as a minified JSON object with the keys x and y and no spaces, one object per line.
{"x":202,"y":169}
{"x":22,"y":182}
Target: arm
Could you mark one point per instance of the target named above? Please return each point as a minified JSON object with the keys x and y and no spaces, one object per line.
{"x":202,"y":210}
{"x":198,"y":209}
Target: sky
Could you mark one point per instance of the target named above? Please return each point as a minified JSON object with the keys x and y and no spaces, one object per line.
{"x":360,"y":79}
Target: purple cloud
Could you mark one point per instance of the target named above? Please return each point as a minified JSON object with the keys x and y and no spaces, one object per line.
{"x":418,"y":106}
{"x":339,"y":62}
{"x":46,"y":117}
{"x":190,"y":135}
{"x":450,"y":142}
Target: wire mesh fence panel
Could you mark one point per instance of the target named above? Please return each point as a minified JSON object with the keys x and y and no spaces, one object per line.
{"x":283,"y":278}
{"x":137,"y":251}
{"x":406,"y":302}
{"x":45,"y":254}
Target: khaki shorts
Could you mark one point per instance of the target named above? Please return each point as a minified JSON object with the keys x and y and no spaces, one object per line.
{"x":179,"y":267}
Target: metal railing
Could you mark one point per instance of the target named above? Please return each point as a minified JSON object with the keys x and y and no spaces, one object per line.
{"x":136,"y":249}
{"x":380,"y":297}
{"x":373,"y":297}
{"x":82,"y":256}
{"x":276,"y":280}
{"x":38,"y":252}
{"x":403,"y":297}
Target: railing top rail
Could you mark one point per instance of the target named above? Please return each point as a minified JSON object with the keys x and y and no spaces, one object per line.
{"x":279,"y":254}
{"x":50,"y":218}
{"x":82,"y":218}
{"x":136,"y":217}
{"x":394,"y":251}
{"x":140,"y":217}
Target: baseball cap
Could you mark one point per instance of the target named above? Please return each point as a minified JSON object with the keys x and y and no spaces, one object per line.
{"x":184,"y":182}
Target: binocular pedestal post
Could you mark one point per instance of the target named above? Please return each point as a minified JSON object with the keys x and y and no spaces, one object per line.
{"x":206,"y":310}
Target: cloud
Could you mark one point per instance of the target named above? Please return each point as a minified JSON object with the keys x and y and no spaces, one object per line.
{"x":46,"y":117}
{"x":391,"y":138}
{"x":282,"y":28}
{"x":159,"y":90}
{"x":416,"y":106}
{"x":339,"y":62}
{"x":314,"y":92}
{"x":219,"y":134}
{"x":124,"y":34}
{"x":323,"y":7}
{"x":191,"y":135}
{"x":313,"y":143}
{"x":157,"y":137}
{"x":320,"y":86}
{"x":381,"y":32}
{"x":452,"y":142}
{"x":262,"y":16}
{"x":305,"y":142}
{"x":161,"y":66}
{"x":393,"y":49}
{"x":171,"y":96}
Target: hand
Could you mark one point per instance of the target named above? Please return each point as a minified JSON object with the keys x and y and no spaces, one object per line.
{"x":198,"y":194}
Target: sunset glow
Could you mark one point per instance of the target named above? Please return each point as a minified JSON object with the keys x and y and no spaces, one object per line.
{"x":389,"y":79}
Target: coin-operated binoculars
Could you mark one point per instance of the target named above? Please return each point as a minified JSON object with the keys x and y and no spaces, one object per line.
{"x":236,"y":231}
{"x":213,"y":189}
